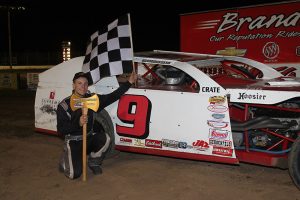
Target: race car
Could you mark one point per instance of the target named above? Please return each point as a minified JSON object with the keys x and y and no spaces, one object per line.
{"x":197,"y":106}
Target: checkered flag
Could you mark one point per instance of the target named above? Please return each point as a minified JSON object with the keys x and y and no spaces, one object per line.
{"x":110,"y":51}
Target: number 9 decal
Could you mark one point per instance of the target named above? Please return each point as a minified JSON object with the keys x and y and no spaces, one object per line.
{"x":134,"y":110}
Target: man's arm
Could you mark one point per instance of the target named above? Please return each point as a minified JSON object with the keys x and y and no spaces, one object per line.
{"x":108,"y":99}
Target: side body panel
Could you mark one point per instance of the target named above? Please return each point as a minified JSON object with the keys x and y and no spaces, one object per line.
{"x":178,"y":122}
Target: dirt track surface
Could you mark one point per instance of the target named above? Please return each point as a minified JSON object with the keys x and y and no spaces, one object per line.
{"x":29,"y":160}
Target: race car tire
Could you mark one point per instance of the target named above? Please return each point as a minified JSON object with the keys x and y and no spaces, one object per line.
{"x":104,"y":120}
{"x":294,"y":162}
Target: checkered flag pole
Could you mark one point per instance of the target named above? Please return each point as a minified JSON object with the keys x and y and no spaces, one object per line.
{"x":110,"y":51}
{"x":129,"y":22}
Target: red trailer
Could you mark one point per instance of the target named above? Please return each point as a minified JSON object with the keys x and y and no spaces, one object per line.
{"x":269,"y":33}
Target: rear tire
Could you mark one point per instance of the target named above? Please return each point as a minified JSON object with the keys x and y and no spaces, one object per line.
{"x":105,"y":121}
{"x":294,"y":162}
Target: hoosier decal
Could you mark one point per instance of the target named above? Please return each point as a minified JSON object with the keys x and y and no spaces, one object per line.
{"x":251,"y":96}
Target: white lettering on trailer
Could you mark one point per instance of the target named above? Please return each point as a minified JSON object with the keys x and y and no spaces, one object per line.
{"x":249,"y":36}
{"x":232,"y":20}
{"x":286,"y":34}
{"x":215,"y":38}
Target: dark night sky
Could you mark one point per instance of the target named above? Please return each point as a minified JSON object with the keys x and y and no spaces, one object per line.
{"x":45,"y":24}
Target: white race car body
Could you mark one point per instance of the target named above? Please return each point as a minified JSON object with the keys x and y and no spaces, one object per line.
{"x":183,"y":105}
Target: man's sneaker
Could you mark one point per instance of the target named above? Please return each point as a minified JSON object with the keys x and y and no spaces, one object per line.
{"x":95,"y":165}
{"x":96,"y":170}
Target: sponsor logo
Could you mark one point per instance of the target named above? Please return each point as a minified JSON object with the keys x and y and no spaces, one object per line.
{"x":218,"y":134}
{"x":222,"y":151}
{"x":200,"y":145}
{"x":287,"y":71}
{"x":156,"y":61}
{"x":210,"y":89}
{"x":217,"y":124}
{"x":175,"y":144}
{"x":243,"y":96}
{"x":49,"y":106}
{"x":220,"y":143}
{"x":139,"y":142}
{"x":217,"y":100}
{"x":78,"y":104}
{"x":153,"y":143}
{"x":52,"y":95}
{"x":50,"y":102}
{"x":183,"y":145}
{"x":270,"y":50}
{"x":170,"y":143}
{"x":218,"y":116}
{"x":126,"y":140}
{"x":217,"y":108}
{"x":231,"y":51}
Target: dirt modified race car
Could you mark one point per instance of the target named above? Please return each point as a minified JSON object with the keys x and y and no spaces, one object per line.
{"x":195,"y":106}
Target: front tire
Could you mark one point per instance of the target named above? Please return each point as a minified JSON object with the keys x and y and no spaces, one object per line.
{"x":105,"y":121}
{"x":294,"y":162}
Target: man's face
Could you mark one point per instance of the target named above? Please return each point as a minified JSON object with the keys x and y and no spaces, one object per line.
{"x":80,"y":86}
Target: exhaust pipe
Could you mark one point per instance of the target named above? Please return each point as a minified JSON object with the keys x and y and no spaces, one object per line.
{"x":257,"y":123}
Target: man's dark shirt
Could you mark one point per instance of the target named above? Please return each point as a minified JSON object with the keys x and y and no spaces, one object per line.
{"x":68,"y":120}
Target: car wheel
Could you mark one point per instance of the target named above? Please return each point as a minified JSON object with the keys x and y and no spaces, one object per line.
{"x":294,"y":162}
{"x":104,"y":120}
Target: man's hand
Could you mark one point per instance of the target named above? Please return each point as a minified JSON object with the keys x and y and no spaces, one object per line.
{"x":132,"y":78}
{"x":83,"y":120}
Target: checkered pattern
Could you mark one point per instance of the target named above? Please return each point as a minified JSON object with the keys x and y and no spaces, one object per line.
{"x":109,"y":52}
